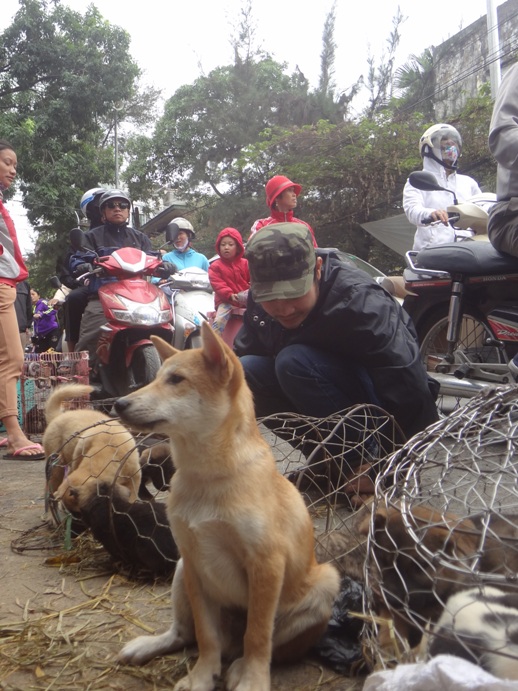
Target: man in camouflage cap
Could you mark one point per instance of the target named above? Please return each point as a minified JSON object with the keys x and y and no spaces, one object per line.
{"x":320,"y":335}
{"x":281,"y":261}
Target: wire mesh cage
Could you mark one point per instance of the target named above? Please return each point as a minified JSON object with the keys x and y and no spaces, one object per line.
{"x":333,"y":461}
{"x":442,"y":557}
{"x":41,"y":373}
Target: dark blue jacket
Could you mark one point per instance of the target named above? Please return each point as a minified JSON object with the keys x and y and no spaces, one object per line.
{"x":103,"y":241}
{"x":357,"y":320}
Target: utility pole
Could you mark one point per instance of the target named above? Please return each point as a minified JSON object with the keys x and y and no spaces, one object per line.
{"x":493,"y":47}
{"x":118,"y":107}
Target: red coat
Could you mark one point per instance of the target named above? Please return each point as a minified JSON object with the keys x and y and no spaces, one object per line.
{"x":229,"y":277}
{"x":280,"y":217}
{"x":12,"y":268}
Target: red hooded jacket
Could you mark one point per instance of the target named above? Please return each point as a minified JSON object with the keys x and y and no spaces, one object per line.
{"x":280,"y":217}
{"x":229,"y":277}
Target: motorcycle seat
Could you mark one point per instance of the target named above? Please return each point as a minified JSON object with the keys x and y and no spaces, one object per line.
{"x":469,"y":258}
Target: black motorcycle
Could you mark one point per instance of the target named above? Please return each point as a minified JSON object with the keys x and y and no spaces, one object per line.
{"x":464,"y":304}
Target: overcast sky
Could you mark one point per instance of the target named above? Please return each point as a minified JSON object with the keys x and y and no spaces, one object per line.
{"x":175,"y":42}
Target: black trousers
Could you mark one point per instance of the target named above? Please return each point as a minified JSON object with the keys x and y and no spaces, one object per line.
{"x":73,"y":308}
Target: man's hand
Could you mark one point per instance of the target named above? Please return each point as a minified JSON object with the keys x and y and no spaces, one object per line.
{"x":167,"y":269}
{"x":83,"y":269}
{"x":440,"y":215}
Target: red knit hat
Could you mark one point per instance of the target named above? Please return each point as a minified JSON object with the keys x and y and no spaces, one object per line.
{"x":276,"y":185}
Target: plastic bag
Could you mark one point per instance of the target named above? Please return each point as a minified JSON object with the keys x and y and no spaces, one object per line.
{"x":340,"y":646}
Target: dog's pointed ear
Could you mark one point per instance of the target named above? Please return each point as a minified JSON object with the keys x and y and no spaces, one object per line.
{"x":163,"y":348}
{"x":213,"y":347}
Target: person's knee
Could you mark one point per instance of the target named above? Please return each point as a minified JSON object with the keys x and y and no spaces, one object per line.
{"x":294,"y":361}
{"x":503,"y":226}
{"x":257,"y":369}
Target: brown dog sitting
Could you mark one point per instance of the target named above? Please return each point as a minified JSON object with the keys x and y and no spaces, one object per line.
{"x":243,"y":531}
{"x":418,"y":559}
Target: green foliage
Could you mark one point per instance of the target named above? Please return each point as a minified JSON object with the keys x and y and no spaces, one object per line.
{"x":416,"y":81}
{"x":473,"y":123}
{"x":198,"y":144}
{"x":60,"y":79}
{"x":220,"y":138}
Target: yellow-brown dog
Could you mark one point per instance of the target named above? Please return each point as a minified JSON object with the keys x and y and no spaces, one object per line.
{"x":89,"y":448}
{"x":243,"y":531}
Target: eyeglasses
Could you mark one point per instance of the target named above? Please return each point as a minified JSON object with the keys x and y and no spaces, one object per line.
{"x":117,"y":205}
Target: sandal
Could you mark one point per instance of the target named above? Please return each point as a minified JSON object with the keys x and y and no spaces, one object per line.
{"x":19,"y":454}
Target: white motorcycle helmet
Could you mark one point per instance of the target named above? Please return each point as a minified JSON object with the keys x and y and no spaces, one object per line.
{"x":175,"y":226}
{"x":430,"y":143}
{"x":90,"y":200}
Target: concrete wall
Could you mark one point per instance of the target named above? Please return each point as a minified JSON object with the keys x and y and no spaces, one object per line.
{"x":462,"y":62}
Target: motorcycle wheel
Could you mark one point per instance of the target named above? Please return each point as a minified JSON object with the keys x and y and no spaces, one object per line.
{"x":474,"y":332}
{"x":143,"y":367}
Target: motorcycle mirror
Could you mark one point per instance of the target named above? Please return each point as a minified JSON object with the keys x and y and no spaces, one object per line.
{"x":170,"y":234}
{"x":55,"y":282}
{"x":76,"y":238}
{"x":422,"y":180}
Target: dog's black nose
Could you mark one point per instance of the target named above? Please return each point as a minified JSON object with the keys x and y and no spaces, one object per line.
{"x":120,"y":405}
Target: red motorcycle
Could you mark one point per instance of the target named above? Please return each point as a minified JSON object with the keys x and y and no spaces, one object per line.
{"x":135,"y":309}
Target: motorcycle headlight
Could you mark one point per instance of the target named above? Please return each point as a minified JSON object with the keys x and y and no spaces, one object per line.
{"x":142,"y":315}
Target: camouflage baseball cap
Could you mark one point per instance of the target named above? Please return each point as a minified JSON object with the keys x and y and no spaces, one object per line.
{"x":281,"y":259}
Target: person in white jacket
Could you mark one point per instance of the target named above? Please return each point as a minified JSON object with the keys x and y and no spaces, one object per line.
{"x":440,"y":147}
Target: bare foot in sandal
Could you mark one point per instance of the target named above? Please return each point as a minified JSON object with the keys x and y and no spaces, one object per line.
{"x":18,"y":445}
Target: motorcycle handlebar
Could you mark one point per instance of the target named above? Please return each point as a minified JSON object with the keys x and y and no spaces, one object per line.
{"x":453,"y":217}
{"x":82,"y":278}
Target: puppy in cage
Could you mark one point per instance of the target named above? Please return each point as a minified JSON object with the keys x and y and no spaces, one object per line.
{"x":157,"y":467}
{"x":136,"y":534}
{"x":419,"y":557}
{"x":408,"y":586}
{"x":84,"y":447}
{"x":480,"y":625}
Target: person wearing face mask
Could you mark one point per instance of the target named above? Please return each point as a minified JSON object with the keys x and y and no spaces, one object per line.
{"x":184,"y":255}
{"x":440,"y":148}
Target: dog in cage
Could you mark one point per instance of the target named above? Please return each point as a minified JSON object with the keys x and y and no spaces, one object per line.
{"x":136,"y":534}
{"x":421,"y":557}
{"x":84,"y":447}
{"x":499,"y":545}
{"x":244,"y":533}
{"x":157,"y":469}
{"x":408,"y":587}
{"x":480,"y":625}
